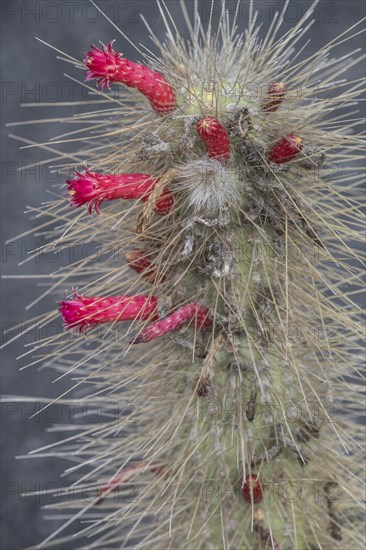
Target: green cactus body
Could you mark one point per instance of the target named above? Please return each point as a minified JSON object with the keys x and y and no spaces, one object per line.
{"x":250,"y":240}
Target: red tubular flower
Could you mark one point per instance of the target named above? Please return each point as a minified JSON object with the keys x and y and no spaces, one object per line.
{"x":174,"y":322}
{"x":93,"y":188}
{"x":108,"y":66}
{"x":252,"y":490}
{"x":83,"y":312}
{"x":285,"y":150}
{"x":275,"y":94}
{"x":215,"y":137}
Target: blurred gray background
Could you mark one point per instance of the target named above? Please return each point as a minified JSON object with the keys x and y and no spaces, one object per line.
{"x":31,"y":74}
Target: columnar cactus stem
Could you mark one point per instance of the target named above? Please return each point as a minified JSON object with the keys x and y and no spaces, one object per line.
{"x":233,"y":288}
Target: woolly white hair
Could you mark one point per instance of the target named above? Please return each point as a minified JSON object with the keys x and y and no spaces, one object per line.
{"x":208,"y":186}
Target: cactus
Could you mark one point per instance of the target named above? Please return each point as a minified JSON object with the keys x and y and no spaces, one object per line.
{"x":230,"y":321}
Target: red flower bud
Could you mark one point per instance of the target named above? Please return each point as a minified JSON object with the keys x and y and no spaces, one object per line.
{"x":285,"y":150}
{"x":174,"y":322}
{"x":123,"y":477}
{"x":252,"y":490}
{"x":139,"y":261}
{"x":275,"y":94}
{"x":215,"y":137}
{"x":93,"y":188}
{"x":108,"y":66}
{"x":126,"y":474}
{"x":83,"y":312}
{"x":164,"y":203}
